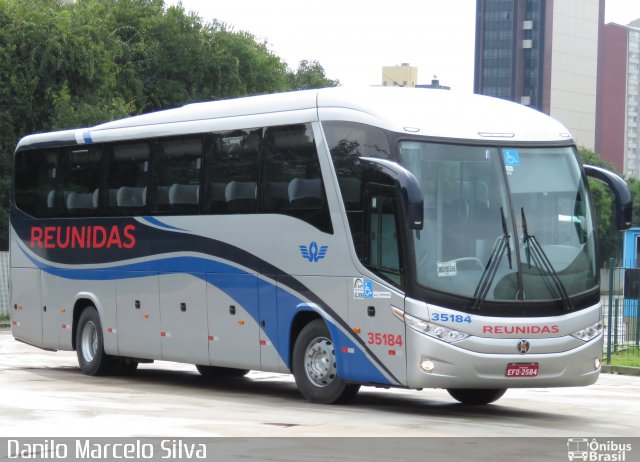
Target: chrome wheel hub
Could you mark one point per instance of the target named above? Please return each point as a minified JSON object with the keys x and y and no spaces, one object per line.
{"x":89,"y":341}
{"x":320,"y":362}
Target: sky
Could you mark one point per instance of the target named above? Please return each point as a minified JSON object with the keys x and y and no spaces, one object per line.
{"x":354,"y":39}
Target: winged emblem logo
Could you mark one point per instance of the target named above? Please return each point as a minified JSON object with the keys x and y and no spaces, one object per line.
{"x":313,"y":252}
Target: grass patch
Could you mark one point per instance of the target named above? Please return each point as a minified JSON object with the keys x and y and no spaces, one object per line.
{"x":630,"y":357}
{"x":4,"y":317}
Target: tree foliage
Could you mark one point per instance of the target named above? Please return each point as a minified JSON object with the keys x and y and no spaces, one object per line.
{"x":609,"y":238}
{"x":68,"y":66}
{"x":310,"y":74}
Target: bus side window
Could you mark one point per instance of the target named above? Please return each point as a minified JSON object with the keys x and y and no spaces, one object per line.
{"x":348,"y":141}
{"x":178,"y":166}
{"x":36,"y":176}
{"x":384,"y":251}
{"x":80,"y":181}
{"x":231,"y":175}
{"x":127,"y":174}
{"x":291,"y":181}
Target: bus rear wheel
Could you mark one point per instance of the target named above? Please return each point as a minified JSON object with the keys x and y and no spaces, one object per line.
{"x":221,"y":372}
{"x":90,"y":344}
{"x":477,"y":396}
{"x":314,"y":367}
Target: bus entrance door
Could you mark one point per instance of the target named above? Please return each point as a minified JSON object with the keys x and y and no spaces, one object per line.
{"x":370,"y":314}
{"x":371,"y":303}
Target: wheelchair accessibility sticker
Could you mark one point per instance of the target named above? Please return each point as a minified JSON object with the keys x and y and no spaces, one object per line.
{"x":511,"y":159}
{"x":363,"y":288}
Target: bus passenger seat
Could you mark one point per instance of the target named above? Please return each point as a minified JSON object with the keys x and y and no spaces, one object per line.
{"x":76,"y":200}
{"x":218,"y":191}
{"x":51,"y":199}
{"x":113,"y":197}
{"x":131,"y":196}
{"x":305,"y":193}
{"x":240,"y":195}
{"x":217,"y":200}
{"x":162,"y":195}
{"x":180,"y":194}
{"x":278,"y":195}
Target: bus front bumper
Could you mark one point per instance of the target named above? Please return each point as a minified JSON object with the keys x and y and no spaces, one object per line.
{"x":455,"y":367}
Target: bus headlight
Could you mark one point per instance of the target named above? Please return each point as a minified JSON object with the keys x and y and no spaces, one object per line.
{"x":432,"y":330}
{"x":590,"y":332}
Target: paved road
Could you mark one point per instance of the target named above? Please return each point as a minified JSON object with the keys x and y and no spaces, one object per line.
{"x":45,"y":395}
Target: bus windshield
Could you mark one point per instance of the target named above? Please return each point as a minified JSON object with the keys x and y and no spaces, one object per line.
{"x":502,"y":224}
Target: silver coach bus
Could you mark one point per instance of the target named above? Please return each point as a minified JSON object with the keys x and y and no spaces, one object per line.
{"x":389,"y":237}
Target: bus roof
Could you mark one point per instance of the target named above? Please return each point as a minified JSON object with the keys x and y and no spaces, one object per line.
{"x":434,"y":113}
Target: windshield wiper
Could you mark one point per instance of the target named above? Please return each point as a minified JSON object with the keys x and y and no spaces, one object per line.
{"x":535,"y":252}
{"x":489,"y":273}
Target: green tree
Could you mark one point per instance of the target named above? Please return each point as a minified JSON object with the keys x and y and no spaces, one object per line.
{"x":634,"y":187}
{"x":609,"y":238}
{"x":77,"y":65}
{"x":309,"y":75}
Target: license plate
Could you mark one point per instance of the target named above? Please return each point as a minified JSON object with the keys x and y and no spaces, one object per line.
{"x":522,"y":370}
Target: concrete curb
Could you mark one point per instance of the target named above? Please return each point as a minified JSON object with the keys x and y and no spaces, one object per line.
{"x":5,"y":325}
{"x":622,"y":370}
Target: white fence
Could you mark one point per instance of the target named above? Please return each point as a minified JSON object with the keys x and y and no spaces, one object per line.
{"x":4,"y":283}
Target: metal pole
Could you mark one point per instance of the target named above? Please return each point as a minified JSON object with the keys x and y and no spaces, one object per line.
{"x":615,"y":332}
{"x":609,"y":311}
{"x":637,"y":324}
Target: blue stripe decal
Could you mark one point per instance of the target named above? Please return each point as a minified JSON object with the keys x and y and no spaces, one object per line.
{"x":156,"y":222}
{"x":187,"y":265}
{"x":236,"y":284}
{"x":87,"y":137}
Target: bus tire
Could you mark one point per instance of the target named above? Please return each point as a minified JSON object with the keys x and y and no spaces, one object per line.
{"x":477,"y":396}
{"x":90,"y":344}
{"x":314,"y":367}
{"x":215,"y":372}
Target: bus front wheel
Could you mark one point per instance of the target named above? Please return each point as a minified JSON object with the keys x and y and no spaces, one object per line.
{"x":477,"y":396}
{"x":314,"y":367}
{"x":90,"y":344}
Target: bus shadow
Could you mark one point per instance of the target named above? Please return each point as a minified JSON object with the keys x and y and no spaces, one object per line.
{"x":177,"y":382}
{"x":420,"y":403}
{"x":283,"y":392}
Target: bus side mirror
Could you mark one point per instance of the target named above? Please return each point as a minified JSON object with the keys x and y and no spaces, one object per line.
{"x":621,"y":193}
{"x":408,"y":186}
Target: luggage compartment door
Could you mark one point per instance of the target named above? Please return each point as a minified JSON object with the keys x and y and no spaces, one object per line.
{"x":183,"y":311}
{"x":26,"y":305}
{"x":138,"y":308}
{"x":234,"y":338}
